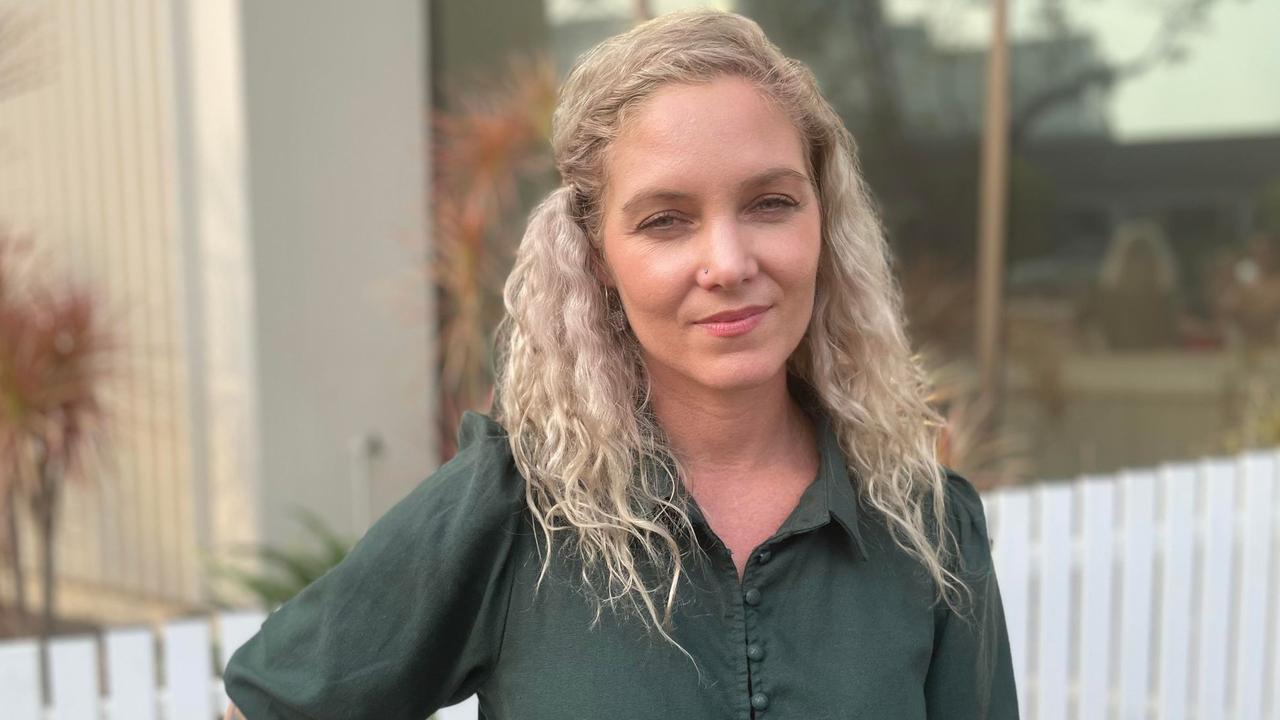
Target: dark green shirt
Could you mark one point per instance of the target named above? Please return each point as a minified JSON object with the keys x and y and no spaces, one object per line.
{"x":436,"y":602}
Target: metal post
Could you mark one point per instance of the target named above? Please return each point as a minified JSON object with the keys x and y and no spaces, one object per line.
{"x":991,"y":212}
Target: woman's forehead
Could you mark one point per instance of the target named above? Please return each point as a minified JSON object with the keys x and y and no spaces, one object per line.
{"x":688,"y":136}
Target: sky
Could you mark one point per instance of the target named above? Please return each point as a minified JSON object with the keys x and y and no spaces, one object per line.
{"x":1229,"y":84}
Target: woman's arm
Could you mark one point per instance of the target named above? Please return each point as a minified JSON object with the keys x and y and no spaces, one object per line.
{"x":233,"y":713}
{"x":971,"y":671}
{"x":412,"y":619}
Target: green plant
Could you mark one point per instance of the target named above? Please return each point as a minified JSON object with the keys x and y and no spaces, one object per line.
{"x":1268,"y":212}
{"x":272,"y":575}
{"x":1252,"y":404}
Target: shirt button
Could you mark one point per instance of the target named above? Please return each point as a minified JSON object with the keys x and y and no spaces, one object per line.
{"x":764,"y":556}
{"x":759,"y":701}
{"x":752,"y":597}
{"x":755,"y":652}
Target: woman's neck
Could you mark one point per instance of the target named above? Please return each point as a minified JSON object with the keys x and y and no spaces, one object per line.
{"x":729,"y":433}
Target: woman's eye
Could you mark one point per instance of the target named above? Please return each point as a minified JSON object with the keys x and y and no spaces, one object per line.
{"x":774,"y":203}
{"x":661,"y":221}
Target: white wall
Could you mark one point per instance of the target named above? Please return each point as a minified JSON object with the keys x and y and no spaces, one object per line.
{"x":335,"y":120}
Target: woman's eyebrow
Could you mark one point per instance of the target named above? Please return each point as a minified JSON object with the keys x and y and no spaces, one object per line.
{"x":762,"y":178}
{"x":772,"y":174}
{"x":645,"y":196}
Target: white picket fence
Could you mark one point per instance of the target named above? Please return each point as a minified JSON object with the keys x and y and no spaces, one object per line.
{"x":1148,"y":594}
{"x":1151,"y":594}
{"x":169,"y":676}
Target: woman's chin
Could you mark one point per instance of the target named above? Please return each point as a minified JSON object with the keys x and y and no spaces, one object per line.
{"x":732,"y":374}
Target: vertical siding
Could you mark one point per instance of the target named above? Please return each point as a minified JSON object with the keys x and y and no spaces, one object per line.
{"x":87,"y":169}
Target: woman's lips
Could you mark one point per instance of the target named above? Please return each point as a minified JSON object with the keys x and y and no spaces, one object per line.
{"x":733,"y":322}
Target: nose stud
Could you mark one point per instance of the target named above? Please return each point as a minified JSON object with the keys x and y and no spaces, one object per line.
{"x":705,"y":271}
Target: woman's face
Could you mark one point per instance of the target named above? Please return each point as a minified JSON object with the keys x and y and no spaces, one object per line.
{"x":711,"y":234}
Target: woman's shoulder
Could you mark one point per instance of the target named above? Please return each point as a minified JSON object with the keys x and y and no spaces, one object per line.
{"x":483,"y":459}
{"x":477,"y":490}
{"x":965,"y":510}
{"x":962,"y":496}
{"x":967,"y":518}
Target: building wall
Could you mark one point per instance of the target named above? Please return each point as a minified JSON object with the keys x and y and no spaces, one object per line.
{"x":87,"y":170}
{"x":245,"y":182}
{"x":335,"y":108}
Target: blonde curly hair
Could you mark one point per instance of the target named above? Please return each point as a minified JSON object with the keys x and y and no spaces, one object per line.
{"x":571,"y":385}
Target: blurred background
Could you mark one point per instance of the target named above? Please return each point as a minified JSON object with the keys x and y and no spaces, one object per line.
{"x":251,"y":254}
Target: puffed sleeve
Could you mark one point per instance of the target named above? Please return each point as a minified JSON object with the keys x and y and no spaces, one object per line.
{"x":971,"y":672}
{"x":412,"y":619}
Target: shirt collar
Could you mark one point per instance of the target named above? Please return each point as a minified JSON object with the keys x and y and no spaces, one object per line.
{"x":831,"y":496}
{"x":837,"y":478}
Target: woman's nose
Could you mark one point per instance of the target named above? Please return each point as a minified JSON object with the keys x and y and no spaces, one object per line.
{"x":727,"y":259}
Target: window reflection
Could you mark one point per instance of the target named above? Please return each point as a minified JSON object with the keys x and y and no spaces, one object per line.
{"x":1142,"y":281}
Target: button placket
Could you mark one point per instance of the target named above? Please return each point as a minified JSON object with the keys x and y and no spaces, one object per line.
{"x":736,"y":613}
{"x":752,"y":598}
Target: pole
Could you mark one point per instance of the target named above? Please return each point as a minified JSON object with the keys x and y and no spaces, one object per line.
{"x":992,"y":212}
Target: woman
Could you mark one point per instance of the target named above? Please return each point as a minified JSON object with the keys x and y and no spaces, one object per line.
{"x":710,"y":487}
{"x":1135,"y":303}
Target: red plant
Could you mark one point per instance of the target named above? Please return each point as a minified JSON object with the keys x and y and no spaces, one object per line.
{"x":53,"y":345}
{"x":495,"y":141}
{"x":971,"y":441}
